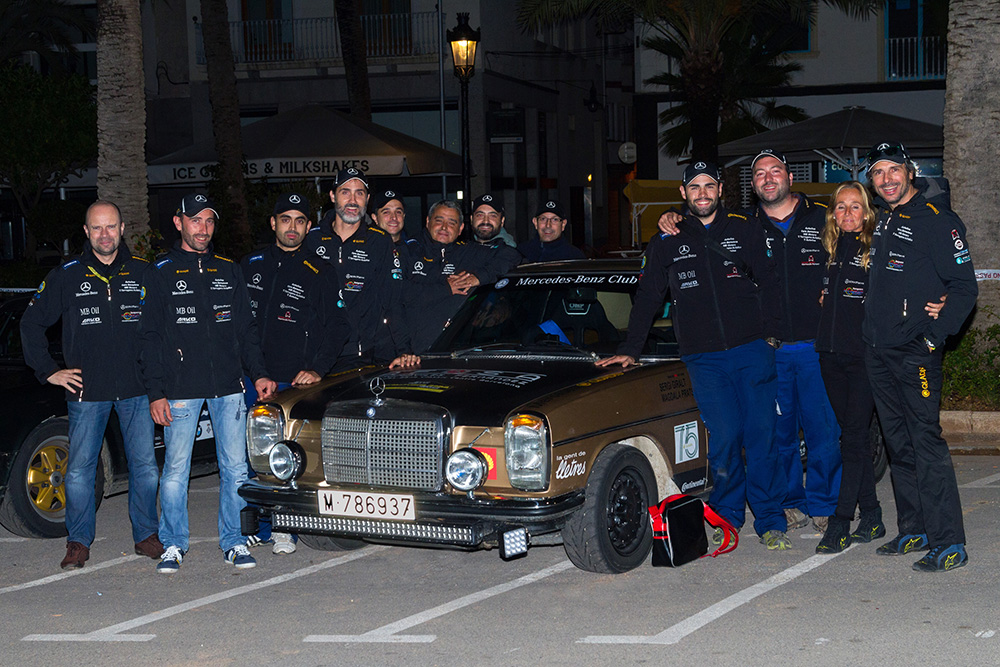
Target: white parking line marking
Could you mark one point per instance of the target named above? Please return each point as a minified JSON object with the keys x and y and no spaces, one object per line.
{"x":983,"y":483}
{"x":111,"y":633}
{"x":387,"y":633}
{"x":677,"y":632}
{"x":85,"y":570}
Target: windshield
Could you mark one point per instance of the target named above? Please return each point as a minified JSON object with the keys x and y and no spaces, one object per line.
{"x":553,"y":312}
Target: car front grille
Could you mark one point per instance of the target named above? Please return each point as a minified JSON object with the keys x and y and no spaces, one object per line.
{"x":401,"y":445}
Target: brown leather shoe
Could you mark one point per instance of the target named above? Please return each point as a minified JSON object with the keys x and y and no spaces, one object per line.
{"x":76,"y":556}
{"x":150,"y":547}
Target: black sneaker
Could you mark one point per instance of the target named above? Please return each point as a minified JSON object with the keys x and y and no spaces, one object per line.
{"x":836,"y":538}
{"x":903,"y":544}
{"x":870,"y":527}
{"x":942,"y":559}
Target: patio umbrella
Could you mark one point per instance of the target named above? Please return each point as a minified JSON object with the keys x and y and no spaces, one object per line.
{"x":311,"y":141}
{"x":841,"y":137}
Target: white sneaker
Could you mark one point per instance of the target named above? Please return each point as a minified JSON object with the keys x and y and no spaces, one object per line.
{"x":283,"y":543}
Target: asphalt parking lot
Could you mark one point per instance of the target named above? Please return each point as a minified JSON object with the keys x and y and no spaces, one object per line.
{"x":403,"y":606}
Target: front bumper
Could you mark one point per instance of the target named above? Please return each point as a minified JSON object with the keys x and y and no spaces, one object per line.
{"x":441,"y":519}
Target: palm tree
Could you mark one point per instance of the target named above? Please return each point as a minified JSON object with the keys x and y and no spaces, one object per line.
{"x":354,"y":51}
{"x":698,"y":29}
{"x":753,"y":67}
{"x":972,"y":98}
{"x":44,"y":27}
{"x":121,"y":114}
{"x":226,"y":122}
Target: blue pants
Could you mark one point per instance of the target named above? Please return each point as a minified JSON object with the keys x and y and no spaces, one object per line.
{"x":735,"y":390}
{"x":229,"y":422}
{"x":803,"y":402}
{"x":87,"y":422}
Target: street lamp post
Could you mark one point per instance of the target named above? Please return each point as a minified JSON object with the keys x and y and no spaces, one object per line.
{"x":464,"y":40}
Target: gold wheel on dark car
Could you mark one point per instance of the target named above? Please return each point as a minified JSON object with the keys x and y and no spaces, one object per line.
{"x":46,"y":474}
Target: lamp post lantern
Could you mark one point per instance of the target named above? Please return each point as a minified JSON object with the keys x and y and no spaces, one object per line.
{"x":464,"y":40}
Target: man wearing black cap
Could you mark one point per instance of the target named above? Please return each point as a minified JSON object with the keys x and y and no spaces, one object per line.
{"x":293,"y":296}
{"x":726,"y":311}
{"x":919,"y":252}
{"x":98,"y":296}
{"x":441,"y":271}
{"x":549,"y":245}
{"x":488,"y":221}
{"x":198,"y":336}
{"x":362,"y":255}
{"x":389,"y":214}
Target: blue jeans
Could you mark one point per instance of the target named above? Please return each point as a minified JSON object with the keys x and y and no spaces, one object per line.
{"x":229,"y":421}
{"x":87,"y":422}
{"x":735,"y":390}
{"x":250,"y":396}
{"x":804,"y":403}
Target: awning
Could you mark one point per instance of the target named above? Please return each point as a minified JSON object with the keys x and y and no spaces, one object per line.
{"x":843,"y":137}
{"x":311,"y":141}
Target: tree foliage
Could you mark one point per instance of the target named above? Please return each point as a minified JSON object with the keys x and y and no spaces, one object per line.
{"x":698,"y":31}
{"x":48,"y":130}
{"x":46,"y":27}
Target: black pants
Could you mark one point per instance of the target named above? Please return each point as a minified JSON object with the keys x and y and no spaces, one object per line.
{"x":906,"y":383}
{"x":846,"y":380}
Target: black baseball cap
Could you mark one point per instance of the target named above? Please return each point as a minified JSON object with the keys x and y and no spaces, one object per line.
{"x":551,"y":206}
{"x":770,"y":152}
{"x":490,"y":200}
{"x":194,"y":203}
{"x":696,"y":169}
{"x":382,"y":197}
{"x":292,"y":201}
{"x":885,"y":152}
{"x":348,"y":174}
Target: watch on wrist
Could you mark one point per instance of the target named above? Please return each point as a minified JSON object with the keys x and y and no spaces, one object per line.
{"x":930,"y":346}
{"x":773,"y":342}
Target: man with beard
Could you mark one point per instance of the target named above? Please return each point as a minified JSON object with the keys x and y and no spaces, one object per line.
{"x":440,"y":272}
{"x":488,"y":222}
{"x":550,"y":245}
{"x":919,"y":251}
{"x":198,"y":336}
{"x":726,"y":309}
{"x":363,"y":258}
{"x":98,"y":295}
{"x":293,"y":297}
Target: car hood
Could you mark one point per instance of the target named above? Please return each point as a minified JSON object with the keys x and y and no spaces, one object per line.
{"x":474,"y":391}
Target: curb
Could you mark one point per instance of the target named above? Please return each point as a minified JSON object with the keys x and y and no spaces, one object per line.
{"x":971,"y":432}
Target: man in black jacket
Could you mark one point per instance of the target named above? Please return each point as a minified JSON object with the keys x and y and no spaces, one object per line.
{"x":726,"y":310}
{"x":793,"y":227}
{"x":919,"y":252}
{"x":198,"y":334}
{"x":293,"y":296}
{"x":99,"y":296}
{"x":440,"y":271}
{"x":550,"y":245}
{"x":362,"y":255}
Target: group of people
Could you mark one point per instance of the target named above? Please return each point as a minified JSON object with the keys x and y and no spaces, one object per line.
{"x":799,"y":315}
{"x":158,"y":342}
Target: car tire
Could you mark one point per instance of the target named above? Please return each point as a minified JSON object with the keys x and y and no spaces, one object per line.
{"x":611,"y":533}
{"x":35,"y":502}
{"x":327,"y":543}
{"x":880,"y":457}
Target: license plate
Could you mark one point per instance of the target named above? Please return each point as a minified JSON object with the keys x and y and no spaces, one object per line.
{"x":395,"y":506}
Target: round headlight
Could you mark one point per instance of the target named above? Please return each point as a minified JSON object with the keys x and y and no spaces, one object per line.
{"x":286,"y":461}
{"x":466,"y":469}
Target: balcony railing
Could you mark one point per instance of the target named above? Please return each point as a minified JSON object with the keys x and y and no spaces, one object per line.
{"x":300,"y":40}
{"x":915,"y":58}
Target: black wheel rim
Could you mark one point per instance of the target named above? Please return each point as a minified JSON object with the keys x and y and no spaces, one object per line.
{"x":626,"y":511}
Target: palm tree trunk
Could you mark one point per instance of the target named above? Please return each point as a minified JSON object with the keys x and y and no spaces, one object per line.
{"x":971,"y":119}
{"x":226,"y":121}
{"x":121,"y":114}
{"x":354,"y":50}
